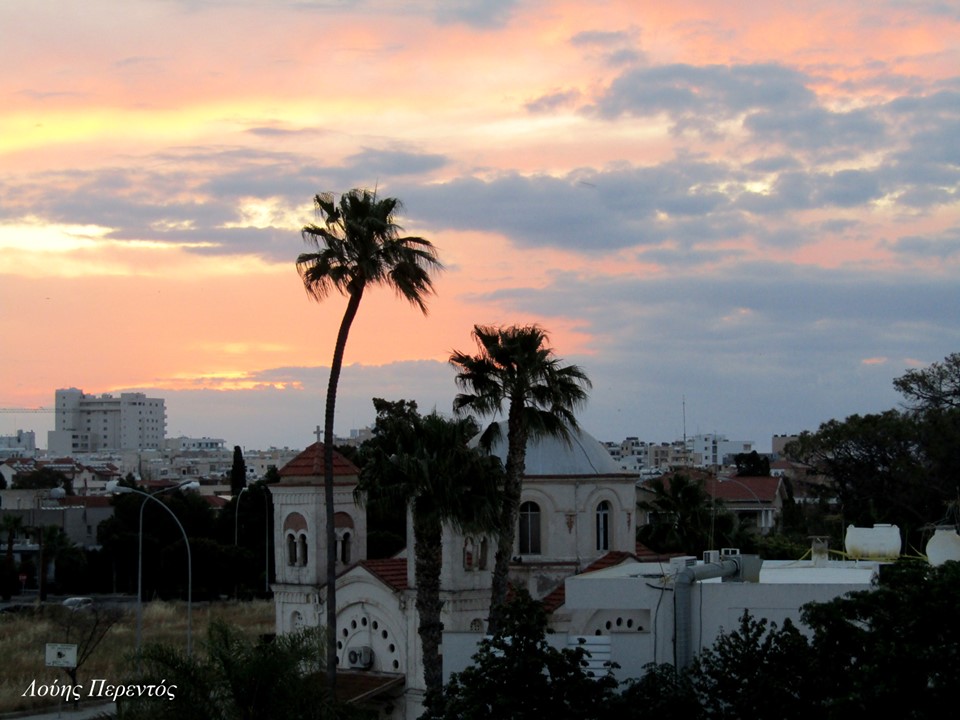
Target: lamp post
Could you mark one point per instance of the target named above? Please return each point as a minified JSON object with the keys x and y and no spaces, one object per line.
{"x":266,"y":521}
{"x":236,"y":525}
{"x":186,"y":485}
{"x":236,"y":515}
{"x":755,"y":497}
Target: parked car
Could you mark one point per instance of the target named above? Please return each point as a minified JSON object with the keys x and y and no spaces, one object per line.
{"x":78,"y":603}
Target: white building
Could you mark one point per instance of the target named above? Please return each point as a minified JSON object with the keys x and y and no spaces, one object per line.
{"x":640,"y":613}
{"x":576,"y":508}
{"x":713,"y":450}
{"x":90,"y":423}
{"x":22,"y":443}
{"x":575,"y":550}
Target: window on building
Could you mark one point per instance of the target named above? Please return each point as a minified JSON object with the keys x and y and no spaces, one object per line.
{"x":469,"y":553}
{"x":302,"y":547}
{"x":344,"y":553}
{"x":603,"y":526}
{"x":291,"y":549}
{"x":484,"y":552}
{"x":529,"y":528}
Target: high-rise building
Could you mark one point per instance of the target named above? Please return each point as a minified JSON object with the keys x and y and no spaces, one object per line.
{"x":91,"y":423}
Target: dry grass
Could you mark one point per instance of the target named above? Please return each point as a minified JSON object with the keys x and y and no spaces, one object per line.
{"x":23,"y":639}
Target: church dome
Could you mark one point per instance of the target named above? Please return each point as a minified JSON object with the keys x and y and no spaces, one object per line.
{"x":580,"y":456}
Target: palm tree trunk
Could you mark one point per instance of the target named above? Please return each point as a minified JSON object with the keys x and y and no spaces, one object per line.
{"x":427,"y":540}
{"x":349,"y":314}
{"x":509,"y":513}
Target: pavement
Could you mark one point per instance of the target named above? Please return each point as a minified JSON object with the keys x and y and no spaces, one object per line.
{"x":84,"y":712}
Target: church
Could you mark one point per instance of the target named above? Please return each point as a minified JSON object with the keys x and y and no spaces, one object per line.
{"x":578,"y":511}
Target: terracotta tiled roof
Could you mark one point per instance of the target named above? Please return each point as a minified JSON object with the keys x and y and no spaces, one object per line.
{"x":215,"y":501}
{"x":559,"y":595}
{"x":358,"y":687}
{"x":744,"y":489}
{"x":392,"y":571}
{"x":731,"y":489}
{"x":645,"y":554}
{"x":304,"y":464}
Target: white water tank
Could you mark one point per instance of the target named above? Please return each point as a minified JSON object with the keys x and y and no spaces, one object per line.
{"x":877,"y":543}
{"x":944,"y":545}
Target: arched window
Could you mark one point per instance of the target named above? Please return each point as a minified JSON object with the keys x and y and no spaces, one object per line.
{"x":302,"y":544}
{"x":484,"y":552}
{"x":529,"y":534}
{"x":469,"y":553}
{"x":345,"y":548}
{"x":603,"y":526}
{"x":291,"y":549}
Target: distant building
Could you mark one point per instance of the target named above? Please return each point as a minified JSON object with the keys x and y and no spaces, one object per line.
{"x":780,"y":442}
{"x":91,"y":423}
{"x":22,"y":443}
{"x":185,"y":444}
{"x":716,"y":450}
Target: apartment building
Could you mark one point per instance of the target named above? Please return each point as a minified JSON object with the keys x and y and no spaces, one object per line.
{"x":91,"y":423}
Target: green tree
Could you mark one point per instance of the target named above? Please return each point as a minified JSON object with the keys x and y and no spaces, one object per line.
{"x":661,"y":693}
{"x":936,"y":387}
{"x":55,"y":546}
{"x":86,"y":628}
{"x":756,"y":671}
{"x":516,"y":372}
{"x":358,"y":244}
{"x":243,"y":526}
{"x":898,"y":645}
{"x":164,"y":554}
{"x":11,"y":525}
{"x":238,"y":472}
{"x":898,"y":466}
{"x":517,"y":674}
{"x":684,"y":518}
{"x":426,"y":462}
{"x":752,"y":464}
{"x":879,"y":471}
{"x":237,"y":679}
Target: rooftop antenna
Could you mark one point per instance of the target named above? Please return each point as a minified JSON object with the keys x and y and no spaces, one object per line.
{"x":684,"y":405}
{"x":686,"y":456}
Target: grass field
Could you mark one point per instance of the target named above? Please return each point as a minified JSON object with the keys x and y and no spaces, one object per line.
{"x":23,"y":639}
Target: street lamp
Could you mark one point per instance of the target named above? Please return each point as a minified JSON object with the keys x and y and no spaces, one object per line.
{"x":186,"y":485}
{"x":236,"y":514}
{"x":756,"y":497}
{"x":266,"y":520}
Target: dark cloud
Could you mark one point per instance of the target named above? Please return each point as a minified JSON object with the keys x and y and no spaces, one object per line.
{"x":372,"y":162}
{"x":586,"y":211}
{"x":553,"y":101}
{"x":277,"y":132}
{"x":617,"y":46}
{"x":714,"y":91}
{"x":940,"y":246}
{"x":816,"y":129}
{"x":602,"y":38}
{"x":476,"y":13}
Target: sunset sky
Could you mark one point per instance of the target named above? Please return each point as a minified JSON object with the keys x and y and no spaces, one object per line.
{"x":750,"y":209}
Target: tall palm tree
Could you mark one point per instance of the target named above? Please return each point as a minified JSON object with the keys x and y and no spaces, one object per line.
{"x":426,"y":462}
{"x":517,"y":370}
{"x":358,"y":244}
{"x":11,"y":525}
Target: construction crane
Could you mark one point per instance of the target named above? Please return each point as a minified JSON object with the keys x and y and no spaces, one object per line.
{"x":24,"y":411}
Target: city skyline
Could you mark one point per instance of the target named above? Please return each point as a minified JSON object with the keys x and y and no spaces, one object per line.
{"x":750,"y":214}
